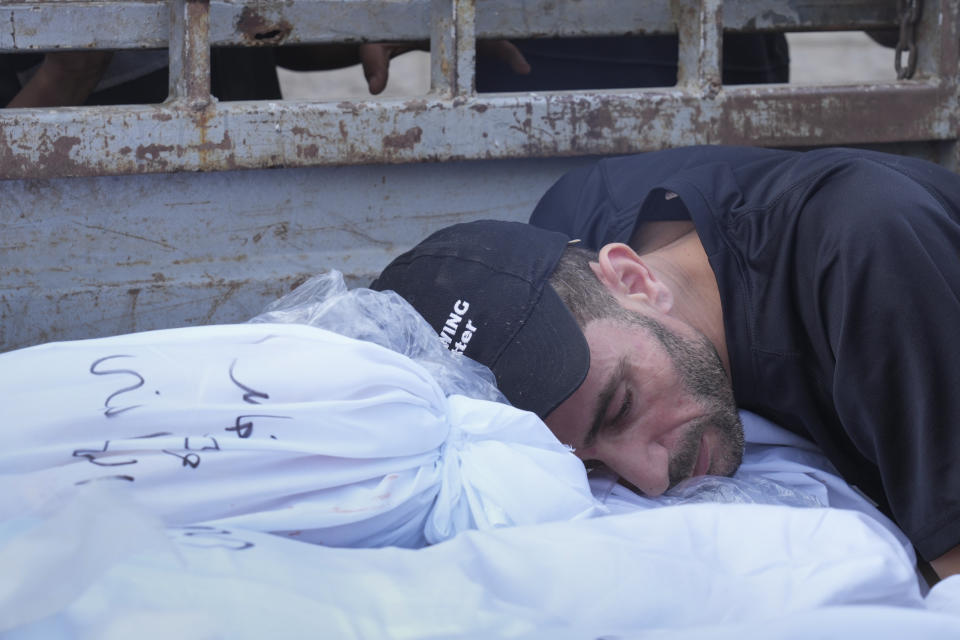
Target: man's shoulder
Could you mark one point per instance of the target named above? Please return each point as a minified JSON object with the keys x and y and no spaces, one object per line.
{"x":604,"y":200}
{"x":865,"y":188}
{"x":599,"y":201}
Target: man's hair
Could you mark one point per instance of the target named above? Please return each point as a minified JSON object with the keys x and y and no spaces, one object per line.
{"x":580,"y":289}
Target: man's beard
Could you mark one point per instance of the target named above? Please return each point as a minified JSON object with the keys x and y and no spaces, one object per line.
{"x":703,"y":376}
{"x":726,"y":456}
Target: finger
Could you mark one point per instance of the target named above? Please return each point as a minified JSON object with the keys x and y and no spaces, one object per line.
{"x":514,"y":57}
{"x":375,"y":59}
{"x":506,"y":52}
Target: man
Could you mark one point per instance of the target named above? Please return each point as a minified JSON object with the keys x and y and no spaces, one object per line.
{"x":826,"y":284}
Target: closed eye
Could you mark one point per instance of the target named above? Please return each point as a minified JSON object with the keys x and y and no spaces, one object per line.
{"x":619,"y":421}
{"x":604,"y":400}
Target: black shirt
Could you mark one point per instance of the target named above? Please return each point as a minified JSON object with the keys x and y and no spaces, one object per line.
{"x":558,"y":64}
{"x":839,"y":277}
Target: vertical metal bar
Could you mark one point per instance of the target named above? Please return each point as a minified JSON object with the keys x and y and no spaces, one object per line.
{"x":938,"y":55}
{"x":452,"y":47}
{"x":700,"y":34}
{"x":190,"y":52}
{"x":936,"y":38}
{"x":443,"y":72}
{"x":466,"y":20}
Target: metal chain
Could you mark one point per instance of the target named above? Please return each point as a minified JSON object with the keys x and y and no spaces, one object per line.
{"x":909,"y":11}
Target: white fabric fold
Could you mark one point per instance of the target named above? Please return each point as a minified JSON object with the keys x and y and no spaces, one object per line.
{"x":282,"y":428}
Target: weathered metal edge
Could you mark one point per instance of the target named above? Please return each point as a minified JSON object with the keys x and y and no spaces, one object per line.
{"x":54,"y":24}
{"x":47,"y":143}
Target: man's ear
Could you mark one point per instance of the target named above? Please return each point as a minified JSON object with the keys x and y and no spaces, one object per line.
{"x":629,"y":278}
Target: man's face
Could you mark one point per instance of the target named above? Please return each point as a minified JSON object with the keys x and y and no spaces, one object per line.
{"x":656,"y":406}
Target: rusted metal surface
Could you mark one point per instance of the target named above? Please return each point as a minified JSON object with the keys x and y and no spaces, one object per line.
{"x":443,"y":41}
{"x":258,"y":26}
{"x":453,"y":47}
{"x":236,"y":135}
{"x":190,"y":52}
{"x":50,"y":25}
{"x":800,"y":15}
{"x":159,"y":227}
{"x":465,"y":52}
{"x":938,"y":40}
{"x":700,"y":43}
{"x":100,"y":256}
{"x":193,"y":133}
{"x":78,"y":24}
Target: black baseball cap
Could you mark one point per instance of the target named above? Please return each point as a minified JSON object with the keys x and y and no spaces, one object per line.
{"x":483,"y":287}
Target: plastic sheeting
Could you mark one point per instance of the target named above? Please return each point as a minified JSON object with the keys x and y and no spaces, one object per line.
{"x":386,"y":319}
{"x":779,"y":468}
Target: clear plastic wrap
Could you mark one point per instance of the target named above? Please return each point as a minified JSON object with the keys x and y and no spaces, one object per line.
{"x":741,"y":489}
{"x":744,"y":488}
{"x":386,"y":319}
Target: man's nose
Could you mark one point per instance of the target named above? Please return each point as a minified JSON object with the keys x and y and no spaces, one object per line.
{"x":646,"y":468}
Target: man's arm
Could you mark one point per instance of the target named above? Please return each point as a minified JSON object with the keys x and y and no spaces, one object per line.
{"x":878,"y":247}
{"x":64,"y":78}
{"x":948,"y":564}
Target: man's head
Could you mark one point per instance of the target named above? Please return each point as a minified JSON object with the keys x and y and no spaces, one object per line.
{"x":586,"y":341}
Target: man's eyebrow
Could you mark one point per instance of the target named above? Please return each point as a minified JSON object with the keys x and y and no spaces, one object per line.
{"x":603,"y":401}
